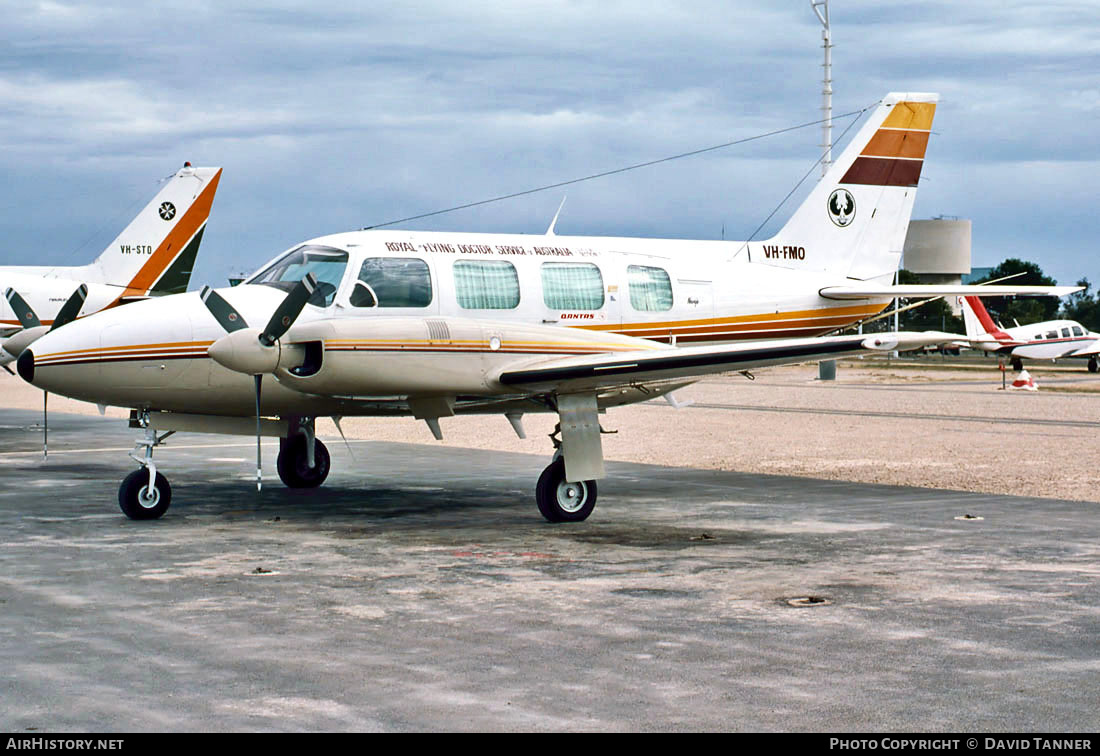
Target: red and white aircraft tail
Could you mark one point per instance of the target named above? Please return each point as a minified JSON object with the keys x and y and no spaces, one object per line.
{"x":980,"y":328}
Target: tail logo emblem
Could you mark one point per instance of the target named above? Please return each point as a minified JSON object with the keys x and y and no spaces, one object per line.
{"x":167,"y":210}
{"x":842,"y":207}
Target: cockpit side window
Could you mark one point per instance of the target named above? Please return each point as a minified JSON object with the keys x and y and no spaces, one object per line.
{"x":392,"y":282}
{"x":327,"y":265}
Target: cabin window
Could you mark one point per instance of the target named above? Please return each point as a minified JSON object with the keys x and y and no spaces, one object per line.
{"x":572,"y":286}
{"x":1078,"y":331}
{"x":1052,"y":334}
{"x":650,"y":288}
{"x":325,"y":263}
{"x":1065,"y":333}
{"x":486,"y":285}
{"x":392,"y":282}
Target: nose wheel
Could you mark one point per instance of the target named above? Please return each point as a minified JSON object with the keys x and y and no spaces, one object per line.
{"x":145,"y":493}
{"x":141,"y":501}
{"x":560,"y":500}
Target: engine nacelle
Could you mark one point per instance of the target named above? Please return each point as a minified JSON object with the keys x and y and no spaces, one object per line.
{"x":402,"y":356}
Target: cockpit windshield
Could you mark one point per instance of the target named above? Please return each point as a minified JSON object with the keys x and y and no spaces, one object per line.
{"x":327,"y":265}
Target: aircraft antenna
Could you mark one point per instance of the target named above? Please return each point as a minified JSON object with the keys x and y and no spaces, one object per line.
{"x":613,"y":172}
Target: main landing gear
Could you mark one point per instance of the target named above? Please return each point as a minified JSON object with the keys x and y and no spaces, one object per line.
{"x":561,"y":501}
{"x":298,"y":468}
{"x":566,"y":490}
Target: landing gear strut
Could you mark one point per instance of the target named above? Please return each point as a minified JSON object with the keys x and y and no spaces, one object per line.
{"x":145,"y":494}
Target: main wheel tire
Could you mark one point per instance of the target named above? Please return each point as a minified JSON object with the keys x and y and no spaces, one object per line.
{"x":1094,"y":366}
{"x":138,"y":502}
{"x":561,"y":501}
{"x":294,"y":469}
{"x":1017,"y":364}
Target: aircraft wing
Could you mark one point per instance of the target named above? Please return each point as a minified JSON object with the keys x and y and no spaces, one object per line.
{"x":873,"y":291}
{"x":1087,"y":351}
{"x":595,"y":372}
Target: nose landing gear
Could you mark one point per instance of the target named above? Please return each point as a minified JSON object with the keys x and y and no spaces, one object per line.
{"x":145,"y":493}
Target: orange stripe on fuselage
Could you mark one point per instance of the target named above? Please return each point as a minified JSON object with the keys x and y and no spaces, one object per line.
{"x":174,"y":243}
{"x":828,"y":318}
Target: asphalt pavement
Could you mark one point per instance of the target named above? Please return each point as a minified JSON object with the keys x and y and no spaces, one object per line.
{"x":419,"y":589}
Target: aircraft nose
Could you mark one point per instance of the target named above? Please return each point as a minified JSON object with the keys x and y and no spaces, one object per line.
{"x":25,"y":366}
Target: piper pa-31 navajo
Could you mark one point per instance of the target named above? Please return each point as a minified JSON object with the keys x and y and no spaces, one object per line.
{"x":153,"y":255}
{"x":434,"y":325}
{"x":1048,"y":340}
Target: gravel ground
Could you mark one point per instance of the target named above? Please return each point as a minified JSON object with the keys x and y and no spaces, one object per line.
{"x":928,"y":424}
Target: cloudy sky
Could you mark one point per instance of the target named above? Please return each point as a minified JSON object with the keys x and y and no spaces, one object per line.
{"x":331,"y":116}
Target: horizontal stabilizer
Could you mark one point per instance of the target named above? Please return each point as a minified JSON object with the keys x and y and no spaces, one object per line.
{"x":875,"y":291}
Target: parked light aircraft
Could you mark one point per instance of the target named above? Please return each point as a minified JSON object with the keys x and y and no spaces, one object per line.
{"x":1048,"y":340}
{"x":153,"y":255}
{"x":434,"y":325}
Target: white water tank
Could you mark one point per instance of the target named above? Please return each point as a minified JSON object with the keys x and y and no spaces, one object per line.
{"x":938,"y":250}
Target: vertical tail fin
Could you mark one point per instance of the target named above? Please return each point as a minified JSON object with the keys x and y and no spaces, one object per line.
{"x":854,"y":221}
{"x":155,"y":253}
{"x":979,"y":325}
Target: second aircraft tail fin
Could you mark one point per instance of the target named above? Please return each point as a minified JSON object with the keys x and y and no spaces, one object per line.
{"x":156,"y":252}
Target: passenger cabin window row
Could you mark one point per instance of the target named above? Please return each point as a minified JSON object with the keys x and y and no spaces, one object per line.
{"x":494,"y":285}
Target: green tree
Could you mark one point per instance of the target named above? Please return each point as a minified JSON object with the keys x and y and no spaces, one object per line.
{"x":1009,"y":310}
{"x":1083,"y":307}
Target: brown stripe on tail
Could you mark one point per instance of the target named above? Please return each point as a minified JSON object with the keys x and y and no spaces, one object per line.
{"x":895,"y":153}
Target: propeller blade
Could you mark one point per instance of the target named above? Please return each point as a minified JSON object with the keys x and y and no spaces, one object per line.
{"x":23,"y":311}
{"x":223,"y":312}
{"x":289,"y":310}
{"x":259,"y":463}
{"x":71,"y":308}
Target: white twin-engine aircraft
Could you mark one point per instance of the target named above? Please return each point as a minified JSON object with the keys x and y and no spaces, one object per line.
{"x":439,"y":324}
{"x":153,"y":255}
{"x":1048,"y":340}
